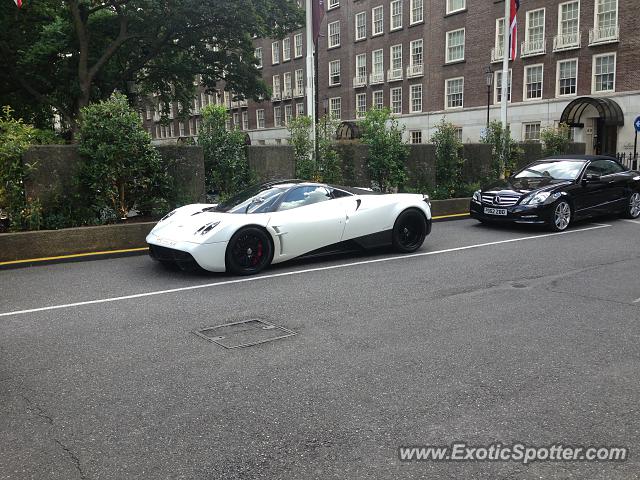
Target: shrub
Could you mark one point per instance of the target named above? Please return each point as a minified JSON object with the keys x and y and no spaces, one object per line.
{"x":300,"y":139}
{"x":121,"y":169}
{"x":387,"y":151}
{"x":555,"y":141}
{"x":448,"y":158}
{"x":504,"y":151}
{"x":328,"y":167}
{"x":225,"y":159}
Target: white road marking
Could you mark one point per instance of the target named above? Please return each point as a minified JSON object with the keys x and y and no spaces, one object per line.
{"x":295,"y":272}
{"x":637,"y":222}
{"x":636,"y":300}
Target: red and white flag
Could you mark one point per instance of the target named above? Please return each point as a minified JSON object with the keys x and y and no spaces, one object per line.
{"x":513,"y":29}
{"x":18,"y":3}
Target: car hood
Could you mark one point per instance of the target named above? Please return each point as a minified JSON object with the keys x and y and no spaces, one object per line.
{"x":523,"y":186}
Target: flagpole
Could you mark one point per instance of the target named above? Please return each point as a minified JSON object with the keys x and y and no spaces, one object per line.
{"x":310,"y":87}
{"x":505,"y":75}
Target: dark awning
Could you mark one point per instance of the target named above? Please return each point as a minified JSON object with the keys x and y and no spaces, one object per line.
{"x":608,"y":109}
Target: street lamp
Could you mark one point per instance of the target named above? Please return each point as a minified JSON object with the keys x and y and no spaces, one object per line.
{"x":325,"y":104}
{"x":488,"y":77}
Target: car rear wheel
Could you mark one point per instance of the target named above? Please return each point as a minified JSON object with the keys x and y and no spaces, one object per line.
{"x":633,"y":207}
{"x":560,"y":217}
{"x":409,"y":231}
{"x":249,"y":251}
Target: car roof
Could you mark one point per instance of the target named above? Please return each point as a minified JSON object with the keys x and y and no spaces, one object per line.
{"x":577,"y":158}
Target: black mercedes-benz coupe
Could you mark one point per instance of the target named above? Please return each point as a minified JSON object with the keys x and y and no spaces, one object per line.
{"x":555,"y":191}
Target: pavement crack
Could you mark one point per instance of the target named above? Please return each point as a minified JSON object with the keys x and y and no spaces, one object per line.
{"x":74,"y":458}
{"x":39,"y":410}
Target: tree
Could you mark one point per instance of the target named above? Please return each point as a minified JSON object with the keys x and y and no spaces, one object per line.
{"x":225,"y":159}
{"x":555,"y":141}
{"x":325,"y":166}
{"x":122,"y":170}
{"x":300,"y":139}
{"x":448,"y":159}
{"x":63,"y":54}
{"x":505,"y":150}
{"x":387,"y":151}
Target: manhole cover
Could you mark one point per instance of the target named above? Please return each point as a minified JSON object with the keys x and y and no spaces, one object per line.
{"x":245,"y":333}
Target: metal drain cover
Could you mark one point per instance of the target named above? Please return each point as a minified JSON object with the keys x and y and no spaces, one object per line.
{"x":245,"y":333}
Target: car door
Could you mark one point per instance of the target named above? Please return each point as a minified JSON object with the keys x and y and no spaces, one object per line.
{"x":615,"y":180}
{"x":306,"y":220}
{"x":591,"y":196}
{"x":366,"y":215}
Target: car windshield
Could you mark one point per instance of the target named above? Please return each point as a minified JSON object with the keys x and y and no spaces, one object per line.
{"x":258,"y":199}
{"x":555,"y":170}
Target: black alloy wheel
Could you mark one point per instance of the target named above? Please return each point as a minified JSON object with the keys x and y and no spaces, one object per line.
{"x":249,"y":251}
{"x":409,"y":231}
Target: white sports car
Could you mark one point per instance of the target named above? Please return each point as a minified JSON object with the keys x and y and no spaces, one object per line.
{"x":278,"y":221}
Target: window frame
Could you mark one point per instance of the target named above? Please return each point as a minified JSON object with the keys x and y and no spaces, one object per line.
{"x":286,"y":51}
{"x":361,"y":112}
{"x":593,"y":72}
{"x":331,"y":36}
{"x":391,"y":100}
{"x":296,"y":45}
{"x":412,"y":9}
{"x":364,"y":25}
{"x":451,"y":12}
{"x":275,"y":53}
{"x":497,"y":90}
{"x":525,"y":83}
{"x":258,"y":119}
{"x":447,"y":95}
{"x":544,"y":26}
{"x":524,"y":131}
{"x":374,"y":94}
{"x":333,"y":100}
{"x":566,"y":60}
{"x":412,"y":98}
{"x":333,"y":74}
{"x":596,"y":13}
{"x":448,"y":46}
{"x":375,"y":33}
{"x":393,"y":16}
{"x":560,"y":5}
{"x":258,"y":57}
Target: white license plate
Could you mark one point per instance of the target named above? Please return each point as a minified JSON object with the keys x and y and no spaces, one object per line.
{"x":164,"y":241}
{"x":495,"y":211}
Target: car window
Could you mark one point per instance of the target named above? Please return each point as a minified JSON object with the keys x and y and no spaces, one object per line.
{"x":302,"y":196}
{"x":604,"y":167}
{"x":337,"y":193}
{"x":557,"y":170}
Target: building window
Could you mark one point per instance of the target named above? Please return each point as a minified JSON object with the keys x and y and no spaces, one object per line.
{"x":297,"y":39}
{"x":604,"y":73}
{"x":287,"y":85}
{"x":498,"y":86}
{"x":532,"y":132}
{"x":416,"y":136}
{"x":335,"y":108}
{"x":567,"y":77}
{"x":277,"y":93}
{"x":181,"y":129}
{"x":454,"y":88}
{"x":396,"y":63}
{"x":416,"y":52}
{"x":299,"y":109}
{"x":607,"y":18}
{"x":396,"y":100}
{"x":334,"y":34}
{"x":417,"y":11}
{"x":455,"y":45}
{"x":288,"y":114}
{"x":286,"y":49}
{"x":396,"y":14}
{"x":569,"y":24}
{"x":377,"y":65}
{"x":260,"y":118}
{"x":299,"y":83}
{"x":455,"y":5}
{"x":361,"y":69}
{"x":172,"y":129}
{"x":533,"y":82}
{"x":361,"y":25}
{"x":458,"y":133}
{"x":499,"y":45}
{"x":415,"y":103}
{"x":275,"y":53}
{"x":236,"y":121}
{"x":334,"y":73}
{"x":378,"y":99}
{"x":377,"y":20}
{"x":245,"y":120}
{"x":277,"y":116}
{"x":258,"y":54}
{"x":334,"y":4}
{"x":534,"y":35}
{"x":361,"y":105}
{"x":149,"y":114}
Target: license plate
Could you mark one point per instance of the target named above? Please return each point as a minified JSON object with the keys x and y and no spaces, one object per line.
{"x":164,"y":241}
{"x":495,"y":211}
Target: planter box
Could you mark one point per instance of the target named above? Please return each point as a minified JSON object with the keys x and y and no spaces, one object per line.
{"x":68,"y":241}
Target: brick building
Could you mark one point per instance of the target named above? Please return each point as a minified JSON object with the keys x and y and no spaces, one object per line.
{"x":577,"y":61}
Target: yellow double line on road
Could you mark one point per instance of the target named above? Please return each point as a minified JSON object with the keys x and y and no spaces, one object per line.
{"x":142,"y":249}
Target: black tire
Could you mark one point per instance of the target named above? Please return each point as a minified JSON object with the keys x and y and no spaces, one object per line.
{"x":249,"y":251}
{"x":632,"y":210}
{"x":561,"y":216}
{"x":409,"y":231}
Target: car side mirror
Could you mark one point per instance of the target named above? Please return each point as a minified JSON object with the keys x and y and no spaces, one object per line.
{"x":591,"y":178}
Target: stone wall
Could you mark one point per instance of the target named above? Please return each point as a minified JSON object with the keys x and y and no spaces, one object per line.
{"x":271,"y":162}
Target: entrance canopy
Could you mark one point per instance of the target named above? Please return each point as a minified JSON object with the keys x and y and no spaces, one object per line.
{"x":609,"y":111}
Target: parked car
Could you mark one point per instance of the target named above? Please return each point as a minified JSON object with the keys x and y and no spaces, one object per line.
{"x":279,"y":221}
{"x":556,"y":191}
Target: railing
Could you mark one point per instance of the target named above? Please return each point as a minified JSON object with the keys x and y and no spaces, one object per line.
{"x":566,"y":41}
{"x":415,"y":71}
{"x":276,"y":96}
{"x":604,"y":35}
{"x":376,"y":78}
{"x":628,"y":159}
{"x":533,"y":47}
{"x":497,"y":54}
{"x":298,"y":92}
{"x":394,"y":74}
{"x":359,"y":81}
{"x":287,"y":94}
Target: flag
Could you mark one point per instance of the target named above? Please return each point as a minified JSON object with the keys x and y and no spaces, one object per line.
{"x":513,"y":29}
{"x":18,"y":3}
{"x":318,"y":15}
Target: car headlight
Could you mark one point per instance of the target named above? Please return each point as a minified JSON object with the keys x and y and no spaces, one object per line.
{"x":167,"y":215}
{"x":206,"y":228}
{"x":536,"y":198}
{"x":477,"y":196}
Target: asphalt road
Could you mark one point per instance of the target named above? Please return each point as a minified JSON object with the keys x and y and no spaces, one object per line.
{"x":534,"y":340}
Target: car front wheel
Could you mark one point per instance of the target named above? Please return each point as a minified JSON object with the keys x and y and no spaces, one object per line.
{"x":560,"y":216}
{"x":633,"y":207}
{"x":409,"y":231}
{"x":249,"y":251}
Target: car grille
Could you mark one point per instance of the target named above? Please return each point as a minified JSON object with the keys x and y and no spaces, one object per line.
{"x":165,"y":254}
{"x":503,"y":200}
